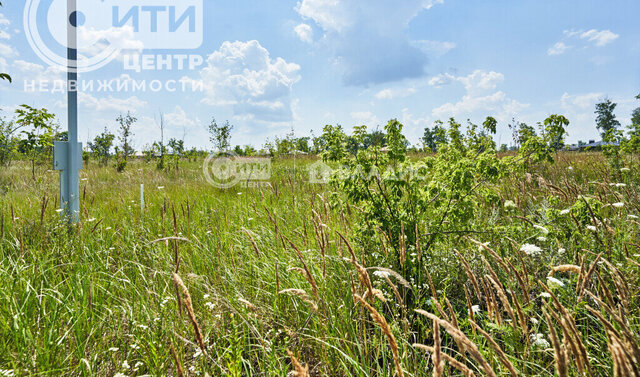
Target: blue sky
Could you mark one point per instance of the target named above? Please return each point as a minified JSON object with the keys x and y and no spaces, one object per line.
{"x":270,"y":66}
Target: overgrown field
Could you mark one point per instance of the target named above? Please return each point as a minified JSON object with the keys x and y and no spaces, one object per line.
{"x":541,"y":279}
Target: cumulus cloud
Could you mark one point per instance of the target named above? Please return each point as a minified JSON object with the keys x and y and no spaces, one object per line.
{"x":364,"y":118}
{"x":180,"y":118}
{"x":480,"y":96}
{"x":436,"y":48}
{"x":557,"y":49}
{"x":391,"y":93}
{"x":243,"y":75}
{"x":304,"y":32}
{"x":598,"y":38}
{"x":477,"y":81}
{"x":368,"y":50}
{"x":110,"y":103}
{"x":24,"y":70}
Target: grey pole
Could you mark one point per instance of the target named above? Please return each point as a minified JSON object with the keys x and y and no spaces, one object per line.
{"x":68,"y":155}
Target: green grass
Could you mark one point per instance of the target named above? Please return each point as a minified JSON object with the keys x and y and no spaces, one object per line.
{"x":100,"y":297}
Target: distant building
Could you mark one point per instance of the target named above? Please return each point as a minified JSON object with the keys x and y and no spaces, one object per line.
{"x":591,"y":145}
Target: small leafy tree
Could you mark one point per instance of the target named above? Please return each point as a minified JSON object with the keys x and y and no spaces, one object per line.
{"x":177,"y":150}
{"x":220,"y":136}
{"x":606,"y":119}
{"x":8,"y":141}
{"x":434,"y":136}
{"x":39,"y":137}
{"x":101,"y":146}
{"x":633,"y":144}
{"x":125,"y":123}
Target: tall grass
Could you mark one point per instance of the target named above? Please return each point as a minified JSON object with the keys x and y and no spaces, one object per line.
{"x":273,"y":279}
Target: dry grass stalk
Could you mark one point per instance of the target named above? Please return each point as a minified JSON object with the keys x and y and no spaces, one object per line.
{"x":436,"y":356}
{"x":570,"y":332}
{"x":395,"y":291}
{"x":431,"y":285}
{"x":559,"y":354}
{"x":403,"y":246}
{"x":501,"y":355}
{"x":492,"y":252}
{"x":453,"y":362}
{"x":187,"y":303}
{"x":248,"y":304}
{"x":469,"y":306}
{"x":299,"y":370}
{"x":310,"y":279}
{"x":364,"y":278}
{"x":470,"y":275}
{"x":565,"y":268}
{"x":179,"y":370}
{"x":386,"y":330}
{"x":301,"y":294}
{"x":502,"y":295}
{"x":391,"y":272}
{"x":524,"y":287}
{"x":253,"y":241}
{"x":472,"y":349}
{"x":522,"y":317}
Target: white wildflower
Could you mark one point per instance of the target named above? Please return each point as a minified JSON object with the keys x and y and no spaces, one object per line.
{"x":59,"y":210}
{"x":135,"y":346}
{"x":618,"y":205}
{"x":205,"y":296}
{"x":538,"y":341}
{"x":530,"y":249}
{"x":592,"y":228}
{"x":533,"y":320}
{"x":565,"y":211}
{"x":119,"y":375}
{"x":625,"y":170}
{"x":562,"y":250}
{"x":114,"y":349}
{"x":509,"y":204}
{"x":381,"y":274}
{"x":209,"y":305}
{"x":570,"y":168}
{"x":125,"y":365}
{"x":621,"y":185}
{"x":545,"y":295}
{"x":475,"y":309}
{"x":160,"y":187}
{"x":541,"y":228}
{"x":542,"y":239}
{"x":554,"y":283}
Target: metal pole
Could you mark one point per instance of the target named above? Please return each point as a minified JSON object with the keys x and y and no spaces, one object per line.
{"x":71,"y":196}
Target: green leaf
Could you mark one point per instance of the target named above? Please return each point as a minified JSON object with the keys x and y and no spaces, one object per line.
{"x":4,"y":76}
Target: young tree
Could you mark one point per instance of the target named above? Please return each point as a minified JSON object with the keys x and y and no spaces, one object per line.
{"x":8,"y":141}
{"x":555,"y":131}
{"x":101,"y":146}
{"x":606,"y":120}
{"x":220,"y":136}
{"x":40,"y":135}
{"x":125,"y":133}
{"x":177,"y":150}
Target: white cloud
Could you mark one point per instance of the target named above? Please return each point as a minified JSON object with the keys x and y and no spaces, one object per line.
{"x":110,"y":103}
{"x":390,"y":93}
{"x":600,"y":38}
{"x":242,"y":74}
{"x":304,"y":32}
{"x":180,"y":118}
{"x":363,"y":35}
{"x":437,"y":48}
{"x":582,"y":101}
{"x":557,"y":49}
{"x":479,"y":98}
{"x":25,"y":70}
{"x":475,"y":82}
{"x":365,"y":118}
{"x":4,"y":27}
